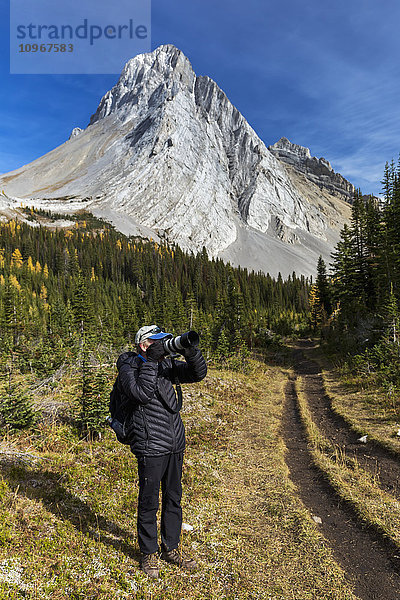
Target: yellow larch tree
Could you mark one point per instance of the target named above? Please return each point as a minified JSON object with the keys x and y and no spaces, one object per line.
{"x":15,"y":283}
{"x":16,"y":259}
{"x":30,"y":265}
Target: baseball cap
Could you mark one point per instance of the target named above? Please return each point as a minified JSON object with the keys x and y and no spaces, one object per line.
{"x":150,"y":332}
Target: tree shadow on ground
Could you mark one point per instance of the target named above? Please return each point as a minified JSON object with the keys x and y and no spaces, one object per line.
{"x":278,"y":355}
{"x":38,"y":484}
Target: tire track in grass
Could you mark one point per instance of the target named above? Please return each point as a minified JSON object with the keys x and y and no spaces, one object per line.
{"x":372,"y":457}
{"x":365,"y":557}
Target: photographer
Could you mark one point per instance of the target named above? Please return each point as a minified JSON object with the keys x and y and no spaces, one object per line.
{"x":146,"y":379}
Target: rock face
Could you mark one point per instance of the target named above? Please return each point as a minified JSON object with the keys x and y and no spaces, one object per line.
{"x":167,"y":155}
{"x":76,"y":131}
{"x":317,"y":170}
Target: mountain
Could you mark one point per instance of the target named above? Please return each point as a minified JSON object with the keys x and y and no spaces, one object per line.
{"x":166,"y":155}
{"x":317,"y":170}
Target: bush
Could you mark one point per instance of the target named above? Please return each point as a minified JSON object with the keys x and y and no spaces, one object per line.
{"x":16,"y":409}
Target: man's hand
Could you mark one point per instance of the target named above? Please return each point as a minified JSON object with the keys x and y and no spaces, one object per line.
{"x":188,"y":352}
{"x":155,"y":352}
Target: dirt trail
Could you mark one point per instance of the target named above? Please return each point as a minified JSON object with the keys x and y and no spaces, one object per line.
{"x":372,"y":457}
{"x":369,"y":562}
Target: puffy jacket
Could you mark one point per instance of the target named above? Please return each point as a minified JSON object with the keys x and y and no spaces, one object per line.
{"x":148,"y":385}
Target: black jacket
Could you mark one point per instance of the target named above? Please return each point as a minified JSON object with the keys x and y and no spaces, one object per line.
{"x":148,"y":385}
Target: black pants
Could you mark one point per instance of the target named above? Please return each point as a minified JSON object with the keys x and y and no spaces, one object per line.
{"x":152,"y":471}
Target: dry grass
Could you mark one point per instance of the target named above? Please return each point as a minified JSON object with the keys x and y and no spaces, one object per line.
{"x":351,"y":482}
{"x":68,"y":508}
{"x":367,"y":410}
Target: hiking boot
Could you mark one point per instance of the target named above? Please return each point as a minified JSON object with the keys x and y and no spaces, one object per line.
{"x":149,"y":564}
{"x":174,"y":557}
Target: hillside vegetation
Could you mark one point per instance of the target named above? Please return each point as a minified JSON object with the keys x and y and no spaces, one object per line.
{"x":267,"y":453}
{"x":68,"y":505}
{"x":73,"y":297}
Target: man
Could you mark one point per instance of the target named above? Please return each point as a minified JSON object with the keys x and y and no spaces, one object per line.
{"x":159,"y":440}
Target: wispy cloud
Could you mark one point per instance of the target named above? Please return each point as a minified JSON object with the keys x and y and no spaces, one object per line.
{"x":324,"y":75}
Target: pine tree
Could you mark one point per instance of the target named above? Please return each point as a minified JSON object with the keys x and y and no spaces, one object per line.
{"x":223,"y":349}
{"x":16,"y":409}
{"x":343,"y":274}
{"x":16,"y":259}
{"x":94,"y":401}
{"x":391,"y":316}
{"x":323,"y":288}
{"x":315,"y":308}
{"x":191,"y":312}
{"x":235,"y":314}
{"x":82,"y":307}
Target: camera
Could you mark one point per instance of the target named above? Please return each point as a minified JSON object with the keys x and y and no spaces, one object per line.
{"x":174,"y":345}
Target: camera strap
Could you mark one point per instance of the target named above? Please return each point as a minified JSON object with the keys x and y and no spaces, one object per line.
{"x":178,"y":386}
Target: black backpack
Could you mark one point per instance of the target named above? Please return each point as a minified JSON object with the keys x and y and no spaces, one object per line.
{"x":121,"y":412}
{"x":121,"y":409}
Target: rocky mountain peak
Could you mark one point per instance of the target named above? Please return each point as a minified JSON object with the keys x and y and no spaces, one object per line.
{"x":317,"y":170}
{"x":168,"y":156}
{"x":151,"y":79}
{"x":76,"y":131}
{"x":285,"y":147}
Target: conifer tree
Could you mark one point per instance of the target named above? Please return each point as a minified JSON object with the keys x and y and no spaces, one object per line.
{"x":386,"y":353}
{"x":191,"y":312}
{"x":82,"y":307}
{"x":315,"y":308}
{"x":344,"y":273}
{"x":323,"y":287}
{"x":94,"y":403}
{"x":16,"y":409}
{"x":391,"y":316}
{"x":223,"y":349}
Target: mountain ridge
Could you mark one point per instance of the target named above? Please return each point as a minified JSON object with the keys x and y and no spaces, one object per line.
{"x":167,"y":153}
{"x":318,"y":170}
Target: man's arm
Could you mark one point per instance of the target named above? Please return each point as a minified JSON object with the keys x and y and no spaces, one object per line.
{"x":142,"y":388}
{"x":194,"y":369}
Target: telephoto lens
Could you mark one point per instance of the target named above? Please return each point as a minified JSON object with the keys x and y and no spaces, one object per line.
{"x":189,"y":339}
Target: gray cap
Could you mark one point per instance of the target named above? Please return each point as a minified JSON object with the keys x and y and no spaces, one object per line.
{"x":150,"y":332}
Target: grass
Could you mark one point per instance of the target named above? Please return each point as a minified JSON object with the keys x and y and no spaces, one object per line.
{"x":68,"y":507}
{"x":365,"y":408}
{"x":352,"y":483}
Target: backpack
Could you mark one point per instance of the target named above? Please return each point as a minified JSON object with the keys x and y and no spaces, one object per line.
{"x":121,"y":409}
{"x":121,"y":412}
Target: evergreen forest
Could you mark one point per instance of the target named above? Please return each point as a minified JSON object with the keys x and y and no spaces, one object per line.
{"x":356,"y":305}
{"x":75,"y":296}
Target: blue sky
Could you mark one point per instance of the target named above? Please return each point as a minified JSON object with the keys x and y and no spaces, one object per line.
{"x":324,"y":75}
